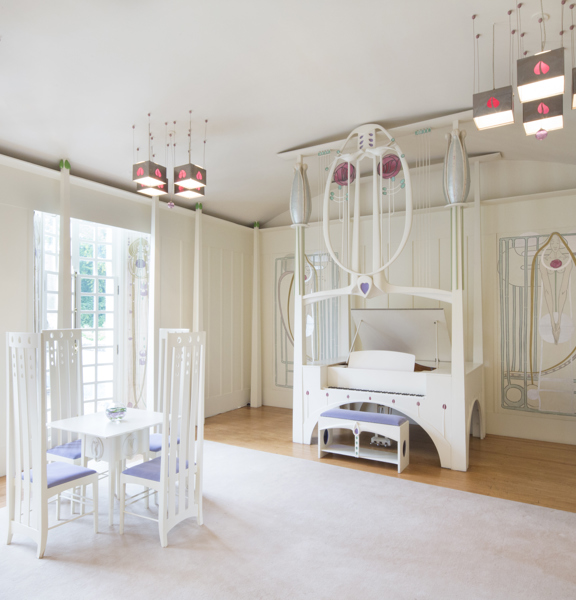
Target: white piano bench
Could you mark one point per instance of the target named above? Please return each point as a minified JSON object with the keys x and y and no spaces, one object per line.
{"x":394,"y":427}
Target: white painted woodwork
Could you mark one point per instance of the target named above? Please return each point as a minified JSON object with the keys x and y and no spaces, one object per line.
{"x":27,"y":500}
{"x":65,"y":256}
{"x":180,"y":486}
{"x":112,"y":442}
{"x":256,"y":361}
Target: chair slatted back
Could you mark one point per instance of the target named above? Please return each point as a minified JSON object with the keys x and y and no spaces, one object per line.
{"x":26,"y":412}
{"x":163,"y":336}
{"x":61,"y":358}
{"x":183,"y":394}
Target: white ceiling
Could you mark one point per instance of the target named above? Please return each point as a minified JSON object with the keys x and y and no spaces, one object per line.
{"x":270,"y":75}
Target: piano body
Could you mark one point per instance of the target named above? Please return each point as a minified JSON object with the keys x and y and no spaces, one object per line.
{"x":443,"y":400}
{"x":404,"y":365}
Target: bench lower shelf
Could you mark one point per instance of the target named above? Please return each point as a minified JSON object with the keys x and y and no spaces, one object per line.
{"x":378,"y":454}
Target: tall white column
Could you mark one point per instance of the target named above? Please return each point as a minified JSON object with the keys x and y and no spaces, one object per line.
{"x":65,"y":256}
{"x":197,"y":312}
{"x":299,"y":336}
{"x":478,"y":355}
{"x":153,"y":307}
{"x":459,"y":442}
{"x":256,"y":364}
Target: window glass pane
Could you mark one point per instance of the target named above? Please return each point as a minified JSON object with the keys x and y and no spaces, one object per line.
{"x":86,"y":231}
{"x":87,"y":250}
{"x":89,"y":374}
{"x":88,"y":338}
{"x":105,"y":355}
{"x":105,"y":338}
{"x":88,"y":356}
{"x":52,"y":301}
{"x":51,"y":283}
{"x":105,"y":251}
{"x":106,"y":320}
{"x":105,"y":268}
{"x":50,"y":263}
{"x":89,"y":408}
{"x":106,"y":303}
{"x":89,"y":391}
{"x":105,"y":390}
{"x":86,"y":267}
{"x":52,"y":319}
{"x":51,"y":224}
{"x":106,"y":286}
{"x":87,"y":321}
{"x":50,"y":244}
{"x":87,"y":286}
{"x":102,"y":405}
{"x":104,"y":234}
{"x":87,"y":303}
{"x":106,"y":373}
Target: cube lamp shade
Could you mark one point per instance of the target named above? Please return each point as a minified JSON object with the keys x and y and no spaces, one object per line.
{"x":149,"y":173}
{"x":159,"y":190}
{"x":190,"y":176}
{"x":544,"y":114}
{"x":574,"y":88}
{"x":541,"y":76}
{"x":494,"y":108}
{"x":187,"y":193}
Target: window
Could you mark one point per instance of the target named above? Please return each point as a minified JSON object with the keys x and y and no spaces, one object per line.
{"x":95,"y":259}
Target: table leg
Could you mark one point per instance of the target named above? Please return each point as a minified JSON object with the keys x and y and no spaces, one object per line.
{"x":112,"y":489}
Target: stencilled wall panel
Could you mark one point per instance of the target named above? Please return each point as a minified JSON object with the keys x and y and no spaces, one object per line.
{"x":227,"y":292}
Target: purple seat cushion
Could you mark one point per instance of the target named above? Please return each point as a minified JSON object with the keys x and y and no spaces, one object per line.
{"x":156,"y":442}
{"x":149,"y":469}
{"x":58,"y":473}
{"x":366,"y":417}
{"x":72,"y":450}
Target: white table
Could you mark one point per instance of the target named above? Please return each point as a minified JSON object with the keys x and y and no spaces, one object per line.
{"x":110,"y":441}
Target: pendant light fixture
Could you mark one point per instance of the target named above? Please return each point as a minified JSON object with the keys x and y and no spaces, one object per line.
{"x":546,"y":114}
{"x":190,"y":176}
{"x":159,"y":190}
{"x":542,"y":75}
{"x":148,"y":174}
{"x":492,"y":108}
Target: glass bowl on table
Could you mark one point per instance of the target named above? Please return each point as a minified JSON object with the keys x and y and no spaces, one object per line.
{"x":115,"y":412}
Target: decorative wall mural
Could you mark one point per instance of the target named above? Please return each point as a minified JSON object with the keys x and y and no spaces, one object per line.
{"x":321,"y":274}
{"x":537,"y":313}
{"x":137,"y":271}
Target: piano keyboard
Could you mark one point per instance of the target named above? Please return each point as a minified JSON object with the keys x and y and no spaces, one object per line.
{"x":380,"y":392}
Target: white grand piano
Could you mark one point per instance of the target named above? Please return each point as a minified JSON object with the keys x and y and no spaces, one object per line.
{"x":403,"y":363}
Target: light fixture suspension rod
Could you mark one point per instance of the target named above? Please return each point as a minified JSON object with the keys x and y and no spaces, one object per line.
{"x":190,"y":138}
{"x":542,"y":27}
{"x":205,"y":135}
{"x":474,"y":44}
{"x":149,"y":138}
{"x":572,"y":32}
{"x":562,"y":23}
{"x":493,"y":53}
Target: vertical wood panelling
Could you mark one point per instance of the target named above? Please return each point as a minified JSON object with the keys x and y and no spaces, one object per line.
{"x":226,"y":302}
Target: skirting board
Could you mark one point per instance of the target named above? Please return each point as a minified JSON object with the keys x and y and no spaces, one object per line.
{"x":220,"y":404}
{"x":561,"y":430}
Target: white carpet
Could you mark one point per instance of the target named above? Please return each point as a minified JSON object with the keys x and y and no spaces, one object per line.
{"x":285,"y":528}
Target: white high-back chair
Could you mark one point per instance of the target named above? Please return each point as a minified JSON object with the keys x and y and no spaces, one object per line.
{"x":30,"y":481}
{"x":61,"y":360}
{"x":177,"y":474}
{"x":156,"y":437}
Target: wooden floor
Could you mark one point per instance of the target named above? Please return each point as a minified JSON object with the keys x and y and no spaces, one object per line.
{"x":522,"y":470}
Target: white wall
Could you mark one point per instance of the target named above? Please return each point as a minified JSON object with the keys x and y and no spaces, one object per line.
{"x":228,"y":250}
{"x":541,"y":212}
